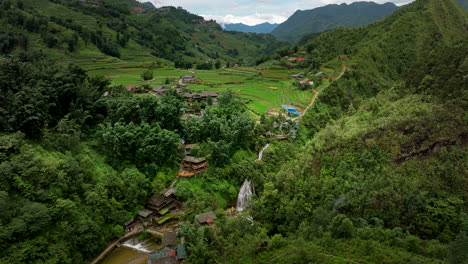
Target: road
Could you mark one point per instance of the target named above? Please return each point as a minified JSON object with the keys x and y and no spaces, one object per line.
{"x":312,"y":102}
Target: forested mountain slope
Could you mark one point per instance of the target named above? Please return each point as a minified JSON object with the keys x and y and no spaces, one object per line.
{"x":260,"y":28}
{"x":382,"y":175}
{"x":329,"y":17}
{"x":126,"y":30}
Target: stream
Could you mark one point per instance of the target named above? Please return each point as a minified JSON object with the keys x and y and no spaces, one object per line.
{"x":132,"y":251}
{"x":260,"y":154}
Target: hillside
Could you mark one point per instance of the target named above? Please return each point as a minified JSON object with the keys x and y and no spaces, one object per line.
{"x":260,"y":28}
{"x":379,"y":172}
{"x":372,"y":170}
{"x":125,"y":30}
{"x":332,"y":16}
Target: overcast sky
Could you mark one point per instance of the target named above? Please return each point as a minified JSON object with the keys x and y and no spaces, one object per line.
{"x":251,"y":12}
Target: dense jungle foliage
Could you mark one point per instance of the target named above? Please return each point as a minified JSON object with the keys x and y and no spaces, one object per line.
{"x":376,"y":174}
{"x":124,"y":29}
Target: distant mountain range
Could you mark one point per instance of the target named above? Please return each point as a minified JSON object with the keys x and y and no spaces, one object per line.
{"x":328,"y":17}
{"x":260,"y":28}
{"x":149,"y":5}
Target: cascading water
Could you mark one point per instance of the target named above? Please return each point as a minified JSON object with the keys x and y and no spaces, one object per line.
{"x":260,"y":154}
{"x":245,"y":194}
{"x":138,"y":245}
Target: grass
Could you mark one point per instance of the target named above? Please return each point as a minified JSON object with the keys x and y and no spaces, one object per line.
{"x":261,"y":90}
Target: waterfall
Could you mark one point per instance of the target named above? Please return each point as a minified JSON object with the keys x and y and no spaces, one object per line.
{"x":245,"y":194}
{"x":138,"y":245}
{"x":260,"y":154}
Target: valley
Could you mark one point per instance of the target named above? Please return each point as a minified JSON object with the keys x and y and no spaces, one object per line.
{"x":137,"y":134}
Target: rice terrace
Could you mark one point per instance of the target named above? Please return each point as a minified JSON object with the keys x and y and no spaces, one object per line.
{"x":263,"y":90}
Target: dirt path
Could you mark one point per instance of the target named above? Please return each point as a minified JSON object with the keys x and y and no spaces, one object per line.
{"x":312,"y":102}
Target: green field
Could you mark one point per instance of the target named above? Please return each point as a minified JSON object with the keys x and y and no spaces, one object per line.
{"x":262,"y":90}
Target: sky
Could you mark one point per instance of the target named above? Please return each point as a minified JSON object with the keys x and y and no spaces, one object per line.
{"x":252,"y":12}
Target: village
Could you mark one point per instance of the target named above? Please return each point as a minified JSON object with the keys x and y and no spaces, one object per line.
{"x":163,"y":210}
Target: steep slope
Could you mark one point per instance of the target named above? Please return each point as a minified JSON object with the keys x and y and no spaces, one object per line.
{"x":384,"y":160}
{"x":260,"y":28}
{"x":399,"y":115}
{"x":125,"y":30}
{"x":329,"y":17}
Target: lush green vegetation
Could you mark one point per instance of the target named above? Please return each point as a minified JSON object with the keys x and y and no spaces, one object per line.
{"x":119,"y":31}
{"x":374,"y":172}
{"x":304,"y":22}
{"x":381,"y":175}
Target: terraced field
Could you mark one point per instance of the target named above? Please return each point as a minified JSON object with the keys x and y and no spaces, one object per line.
{"x":262,"y":91}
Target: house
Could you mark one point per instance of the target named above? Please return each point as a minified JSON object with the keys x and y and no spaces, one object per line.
{"x":181,"y":86}
{"x":192,"y":166}
{"x":187,"y":96}
{"x":320,"y":74}
{"x":206,"y":94}
{"x":160,"y":90}
{"x":196,"y":96}
{"x":170,"y":239}
{"x":168,"y":192}
{"x":188,"y":78}
{"x":306,"y":81}
{"x":130,"y":87}
{"x":206,"y":218}
{"x":145,"y":213}
{"x":164,"y":256}
{"x":297,"y":76}
{"x":300,"y":59}
{"x":158,"y":203}
{"x":324,"y":75}
{"x":189,"y":148}
{"x":181,"y":252}
{"x":289,"y":108}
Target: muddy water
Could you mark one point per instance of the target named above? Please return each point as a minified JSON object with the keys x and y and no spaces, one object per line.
{"x":132,"y":251}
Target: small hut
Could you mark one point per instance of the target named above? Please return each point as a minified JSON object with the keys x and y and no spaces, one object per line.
{"x":206,"y":218}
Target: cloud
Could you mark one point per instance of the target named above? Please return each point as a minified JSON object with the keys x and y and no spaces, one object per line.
{"x":252,"y":12}
{"x":250,"y":20}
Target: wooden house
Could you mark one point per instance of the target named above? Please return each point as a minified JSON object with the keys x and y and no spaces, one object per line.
{"x":164,"y":256}
{"x":158,"y":203}
{"x":206,"y":94}
{"x":160,"y":90}
{"x":198,"y":165}
{"x":170,"y":239}
{"x":298,"y":76}
{"x":181,"y":252}
{"x":206,"y":218}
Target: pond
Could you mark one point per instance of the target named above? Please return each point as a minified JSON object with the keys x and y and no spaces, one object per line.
{"x":132,"y":251}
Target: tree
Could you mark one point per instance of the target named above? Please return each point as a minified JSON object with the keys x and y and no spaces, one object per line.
{"x":147,"y":75}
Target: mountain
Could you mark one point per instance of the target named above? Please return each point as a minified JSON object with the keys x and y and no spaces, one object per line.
{"x":126,"y":30}
{"x":386,"y":150}
{"x":260,"y":28}
{"x":329,"y":17}
{"x":149,"y":5}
